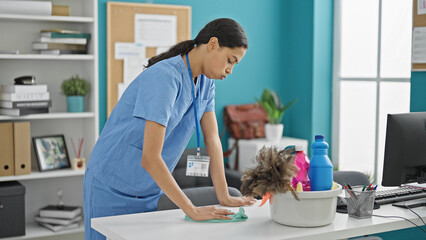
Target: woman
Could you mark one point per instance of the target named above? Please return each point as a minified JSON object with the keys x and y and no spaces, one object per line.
{"x":130,"y":166}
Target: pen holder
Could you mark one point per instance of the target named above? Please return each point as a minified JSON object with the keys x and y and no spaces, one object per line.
{"x":360,"y":203}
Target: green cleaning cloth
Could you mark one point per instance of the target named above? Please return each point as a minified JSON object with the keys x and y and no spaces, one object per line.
{"x":238,"y":217}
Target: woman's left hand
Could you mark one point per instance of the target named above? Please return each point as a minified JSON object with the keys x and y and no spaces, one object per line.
{"x":237,"y":201}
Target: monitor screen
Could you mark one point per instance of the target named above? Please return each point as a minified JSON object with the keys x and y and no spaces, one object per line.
{"x":405,"y":149}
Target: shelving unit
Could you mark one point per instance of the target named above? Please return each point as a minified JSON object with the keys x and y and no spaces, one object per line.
{"x":18,"y":33}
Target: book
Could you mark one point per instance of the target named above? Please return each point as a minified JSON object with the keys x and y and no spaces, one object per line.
{"x":61,"y":46}
{"x":16,"y":97}
{"x":43,"y":8}
{"x":67,"y":212}
{"x":56,"y":228}
{"x":22,"y":111}
{"x":59,"y":52}
{"x":60,"y":31}
{"x":65,"y":35}
{"x":57,"y":221}
{"x":79,"y":41}
{"x":23,"y":88}
{"x":31,"y":104}
{"x":58,"y":10}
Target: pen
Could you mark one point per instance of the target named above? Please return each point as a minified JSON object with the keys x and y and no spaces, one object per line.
{"x":364,"y":188}
{"x":368,"y":188}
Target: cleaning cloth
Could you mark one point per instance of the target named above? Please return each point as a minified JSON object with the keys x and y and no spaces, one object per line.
{"x":238,"y":217}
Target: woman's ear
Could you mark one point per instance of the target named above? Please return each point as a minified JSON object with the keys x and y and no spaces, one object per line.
{"x":213,"y":44}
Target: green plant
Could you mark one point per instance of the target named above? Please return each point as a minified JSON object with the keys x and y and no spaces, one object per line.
{"x":273,"y":106}
{"x":75,"y":86}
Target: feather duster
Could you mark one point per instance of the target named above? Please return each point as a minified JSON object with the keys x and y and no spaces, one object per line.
{"x":272,"y":174}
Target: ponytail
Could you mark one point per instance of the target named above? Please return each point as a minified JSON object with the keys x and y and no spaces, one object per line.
{"x":228,"y":32}
{"x":178,"y":49}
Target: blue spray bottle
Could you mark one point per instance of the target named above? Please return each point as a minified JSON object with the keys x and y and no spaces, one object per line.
{"x":321,"y":169}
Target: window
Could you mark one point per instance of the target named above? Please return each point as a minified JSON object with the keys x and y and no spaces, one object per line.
{"x":371,"y":78}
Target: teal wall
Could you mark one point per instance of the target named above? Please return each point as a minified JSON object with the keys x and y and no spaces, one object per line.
{"x":418,"y":90}
{"x":287,"y":52}
{"x":261,"y":67}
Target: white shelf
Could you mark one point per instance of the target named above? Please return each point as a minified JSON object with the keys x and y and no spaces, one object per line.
{"x":49,"y":116}
{"x":44,"y":175}
{"x":33,"y":230}
{"x":46,"y":18}
{"x":48,"y":57}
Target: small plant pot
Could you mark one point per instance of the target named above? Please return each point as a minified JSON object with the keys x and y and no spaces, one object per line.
{"x":75,"y":103}
{"x":274,"y":132}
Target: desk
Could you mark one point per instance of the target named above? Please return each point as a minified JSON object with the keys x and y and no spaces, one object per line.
{"x":248,"y":149}
{"x":259,"y":225}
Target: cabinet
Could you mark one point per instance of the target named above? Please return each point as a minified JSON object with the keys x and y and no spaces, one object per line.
{"x":248,"y":148}
{"x":18,"y":32}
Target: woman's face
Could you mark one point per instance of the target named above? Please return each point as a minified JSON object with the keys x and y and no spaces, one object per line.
{"x":221,"y":60}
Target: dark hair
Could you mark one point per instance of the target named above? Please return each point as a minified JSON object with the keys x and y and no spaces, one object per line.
{"x":228,"y":32}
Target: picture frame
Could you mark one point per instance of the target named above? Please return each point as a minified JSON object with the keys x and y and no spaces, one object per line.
{"x":51,"y":152}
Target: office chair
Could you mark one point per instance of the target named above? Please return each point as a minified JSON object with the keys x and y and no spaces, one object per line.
{"x":351,"y":177}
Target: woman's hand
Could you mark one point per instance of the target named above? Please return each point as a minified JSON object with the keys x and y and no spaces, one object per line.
{"x":237,"y":201}
{"x":208,"y":213}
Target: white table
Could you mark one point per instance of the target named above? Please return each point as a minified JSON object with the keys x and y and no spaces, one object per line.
{"x":259,"y":225}
{"x":248,"y":148}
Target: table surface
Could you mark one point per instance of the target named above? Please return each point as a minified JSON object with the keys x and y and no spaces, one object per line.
{"x":170,"y":224}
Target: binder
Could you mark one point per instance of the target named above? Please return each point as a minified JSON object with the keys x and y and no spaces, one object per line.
{"x":7,"y":166}
{"x":22,"y":147}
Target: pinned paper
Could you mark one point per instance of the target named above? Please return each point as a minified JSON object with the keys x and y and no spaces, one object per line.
{"x":125,"y":49}
{"x":155,"y":30}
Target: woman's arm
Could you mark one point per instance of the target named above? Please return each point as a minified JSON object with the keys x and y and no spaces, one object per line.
{"x":153,"y":163}
{"x":217,"y":170}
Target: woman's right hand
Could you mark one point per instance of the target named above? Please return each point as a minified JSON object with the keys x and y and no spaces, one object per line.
{"x":208,"y":213}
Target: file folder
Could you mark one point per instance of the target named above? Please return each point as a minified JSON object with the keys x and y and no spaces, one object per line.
{"x":7,"y":166}
{"x":22,"y":147}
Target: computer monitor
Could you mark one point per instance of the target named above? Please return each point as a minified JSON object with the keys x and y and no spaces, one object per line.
{"x":405,"y":149}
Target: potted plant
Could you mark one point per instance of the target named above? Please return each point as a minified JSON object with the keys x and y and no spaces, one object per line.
{"x":75,"y":88}
{"x":273,"y":106}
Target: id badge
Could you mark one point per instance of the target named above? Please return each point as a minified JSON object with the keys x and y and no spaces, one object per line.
{"x":197,"y":166}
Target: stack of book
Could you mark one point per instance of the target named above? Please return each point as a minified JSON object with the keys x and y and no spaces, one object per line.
{"x":59,"y":41}
{"x":19,"y":100}
{"x":59,"y":218}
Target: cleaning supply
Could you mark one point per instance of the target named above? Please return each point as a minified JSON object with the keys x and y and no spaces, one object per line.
{"x":299,"y":187}
{"x":302,"y":162}
{"x":238,"y":217}
{"x":321,"y":169}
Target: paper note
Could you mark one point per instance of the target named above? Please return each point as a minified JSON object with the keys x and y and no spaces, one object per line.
{"x":155,"y":30}
{"x":123,"y":49}
{"x":421,"y":7}
{"x":419,"y":45}
{"x":160,"y":50}
{"x":132,"y":67}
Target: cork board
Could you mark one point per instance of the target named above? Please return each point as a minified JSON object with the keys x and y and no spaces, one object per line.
{"x":120,"y":28}
{"x":418,"y":21}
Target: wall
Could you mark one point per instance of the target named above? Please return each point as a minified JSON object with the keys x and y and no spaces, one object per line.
{"x":261,"y":67}
{"x":418,"y":90}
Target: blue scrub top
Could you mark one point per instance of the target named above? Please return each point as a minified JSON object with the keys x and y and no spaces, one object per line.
{"x":161,"y":93}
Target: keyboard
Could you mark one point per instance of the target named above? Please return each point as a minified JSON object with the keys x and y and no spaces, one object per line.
{"x":400,"y":194}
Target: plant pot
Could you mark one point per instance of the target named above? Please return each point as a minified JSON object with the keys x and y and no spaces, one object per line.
{"x":75,"y":103}
{"x":274,"y":132}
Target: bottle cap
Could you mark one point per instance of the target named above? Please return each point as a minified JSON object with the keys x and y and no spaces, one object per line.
{"x":299,"y":148}
{"x":319,"y":137}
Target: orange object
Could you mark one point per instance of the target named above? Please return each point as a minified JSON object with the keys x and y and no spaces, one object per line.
{"x":265,"y":198}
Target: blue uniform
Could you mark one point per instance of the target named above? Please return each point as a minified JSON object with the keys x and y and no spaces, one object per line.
{"x":115,"y":182}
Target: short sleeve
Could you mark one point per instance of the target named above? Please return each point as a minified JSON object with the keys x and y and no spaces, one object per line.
{"x":210,"y":102}
{"x":156,"y":96}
